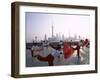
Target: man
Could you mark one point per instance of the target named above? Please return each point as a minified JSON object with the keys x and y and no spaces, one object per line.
{"x":35,"y":49}
{"x":50,"y":57}
{"x":78,"y":50}
{"x":67,"y":50}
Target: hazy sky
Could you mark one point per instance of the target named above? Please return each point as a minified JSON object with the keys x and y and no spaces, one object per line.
{"x":39,"y":24}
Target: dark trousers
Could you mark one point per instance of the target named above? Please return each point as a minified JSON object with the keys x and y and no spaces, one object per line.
{"x":48,"y":58}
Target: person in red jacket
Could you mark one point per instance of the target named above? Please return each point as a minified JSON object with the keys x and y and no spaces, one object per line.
{"x":67,"y":50}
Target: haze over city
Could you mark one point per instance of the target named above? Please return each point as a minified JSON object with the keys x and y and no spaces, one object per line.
{"x":40,"y":24}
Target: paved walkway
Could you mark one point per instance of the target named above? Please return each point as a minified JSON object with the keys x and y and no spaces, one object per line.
{"x":73,"y":60}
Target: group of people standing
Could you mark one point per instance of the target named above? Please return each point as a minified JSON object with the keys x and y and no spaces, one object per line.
{"x":67,"y":50}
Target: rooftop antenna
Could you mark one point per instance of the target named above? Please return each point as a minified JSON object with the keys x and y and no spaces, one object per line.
{"x":52,"y":28}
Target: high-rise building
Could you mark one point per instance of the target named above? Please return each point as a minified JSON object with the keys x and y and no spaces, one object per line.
{"x":45,"y":37}
{"x":52,"y":31}
{"x":63,"y":37}
{"x":35,"y":38}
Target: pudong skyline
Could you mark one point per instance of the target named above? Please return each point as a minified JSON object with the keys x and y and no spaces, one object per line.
{"x":58,"y":37}
{"x":41,"y":24}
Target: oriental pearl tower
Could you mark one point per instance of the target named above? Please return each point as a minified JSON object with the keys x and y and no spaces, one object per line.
{"x":52,"y":31}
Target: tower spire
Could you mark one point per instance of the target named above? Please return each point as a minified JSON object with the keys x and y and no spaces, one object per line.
{"x":52,"y":31}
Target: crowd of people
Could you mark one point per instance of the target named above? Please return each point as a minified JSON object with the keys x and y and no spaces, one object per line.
{"x":56,"y":51}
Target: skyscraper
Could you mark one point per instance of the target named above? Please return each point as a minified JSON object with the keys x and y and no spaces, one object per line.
{"x":45,"y":37}
{"x":52,"y":31}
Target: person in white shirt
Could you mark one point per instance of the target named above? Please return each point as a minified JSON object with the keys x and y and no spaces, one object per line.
{"x":56,"y":52}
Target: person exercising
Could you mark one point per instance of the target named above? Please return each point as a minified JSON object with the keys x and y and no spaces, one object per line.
{"x":56,"y":52}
